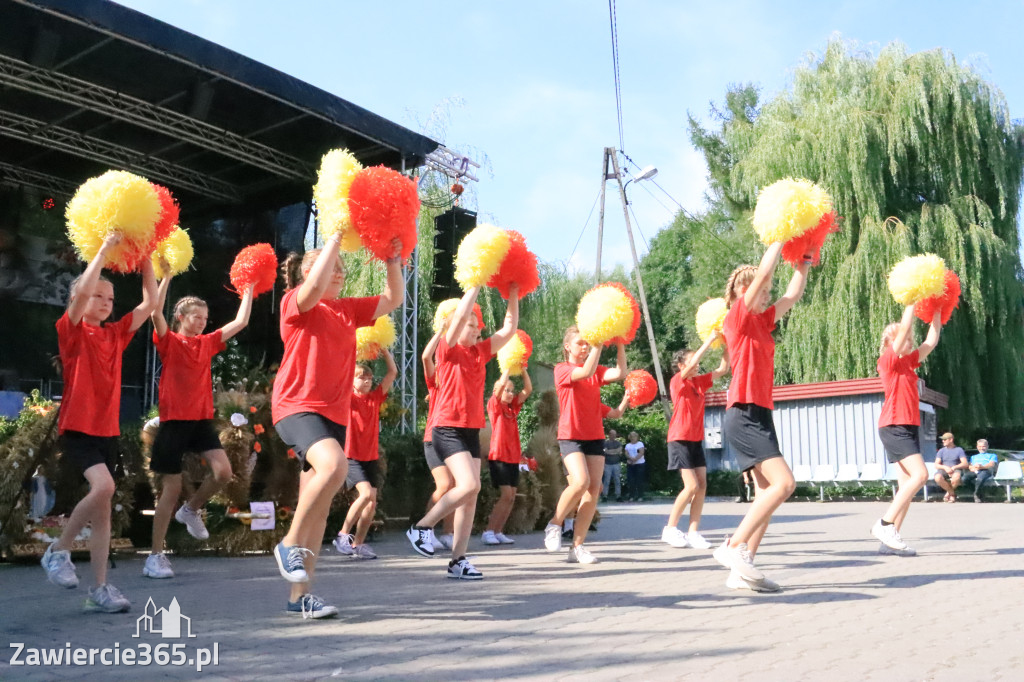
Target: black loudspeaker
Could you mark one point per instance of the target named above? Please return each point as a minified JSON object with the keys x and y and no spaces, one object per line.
{"x":449,"y":229}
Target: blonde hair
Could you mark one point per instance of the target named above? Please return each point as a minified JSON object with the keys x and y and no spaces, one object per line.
{"x":742,"y":276}
{"x":570,"y":332}
{"x":888,"y":336}
{"x":184,"y":306}
{"x":76,"y":284}
{"x":498,"y":384}
{"x":295,"y":267}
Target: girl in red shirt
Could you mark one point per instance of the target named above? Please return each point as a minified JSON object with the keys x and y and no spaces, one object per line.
{"x":748,"y":424}
{"x":361,"y":449}
{"x":505,"y":453}
{"x":461,"y":374}
{"x":578,"y":382}
{"x":312,"y":391}
{"x":442,"y":478}
{"x":186,"y":415}
{"x":686,"y":441}
{"x":900,"y":421}
{"x":90,"y":354}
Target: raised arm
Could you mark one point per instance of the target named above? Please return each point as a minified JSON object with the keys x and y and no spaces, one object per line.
{"x":508,"y":329}
{"x":461,"y":314}
{"x":503,"y":380}
{"x":723,"y":366}
{"x":241,"y":319}
{"x":315,"y":285}
{"x":589,"y":365}
{"x":527,"y":388}
{"x":76,"y":308}
{"x":905,"y":328}
{"x":763,"y":277}
{"x":157,"y":317}
{"x":617,"y":373}
{"x":149,"y":296}
{"x":428,"y":353}
{"x":694,"y":360}
{"x":620,"y":410}
{"x":932,"y":338}
{"x":394,"y":290}
{"x":389,"y":376}
{"x":795,"y":290}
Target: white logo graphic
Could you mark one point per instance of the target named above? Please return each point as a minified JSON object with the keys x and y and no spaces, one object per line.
{"x":165,"y":622}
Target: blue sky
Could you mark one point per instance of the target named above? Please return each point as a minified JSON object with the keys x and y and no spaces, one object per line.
{"x":529,"y":83}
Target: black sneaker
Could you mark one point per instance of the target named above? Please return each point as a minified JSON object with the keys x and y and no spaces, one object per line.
{"x":420,"y":540}
{"x":463,"y":570}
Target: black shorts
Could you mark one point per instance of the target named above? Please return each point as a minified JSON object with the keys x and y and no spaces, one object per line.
{"x":590,"y":448}
{"x":176,"y":437}
{"x":433,"y":461}
{"x":503,"y":473}
{"x":448,"y":440}
{"x":900,"y":441}
{"x":750,"y":432}
{"x":686,"y":454}
{"x":80,"y":451}
{"x":363,"y":471}
{"x":304,"y":429}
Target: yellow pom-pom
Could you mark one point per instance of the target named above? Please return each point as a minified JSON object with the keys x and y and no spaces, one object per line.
{"x":788,"y":208}
{"x":710,"y":318}
{"x":480,"y":255}
{"x":176,"y":250}
{"x":916,"y":278}
{"x":515,"y":354}
{"x":605,"y":313}
{"x":337,"y":170}
{"x":443,"y":312}
{"x":116,"y":201}
{"x":370,"y":340}
{"x":350,"y":242}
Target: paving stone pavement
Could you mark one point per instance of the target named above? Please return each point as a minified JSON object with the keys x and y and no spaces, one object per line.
{"x":647,"y":611}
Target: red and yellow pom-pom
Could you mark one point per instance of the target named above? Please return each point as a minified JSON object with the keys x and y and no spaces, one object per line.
{"x":926,"y":308}
{"x":518,"y":267}
{"x":169,"y":214}
{"x":371,"y":340}
{"x":514,"y":355}
{"x":640,"y":387}
{"x":338,"y":168}
{"x":384,"y":206}
{"x":810,"y":242}
{"x":608,"y":313}
{"x":710,"y":318}
{"x":447,"y":307}
{"x":788,"y":208}
{"x":916,"y":278}
{"x":120,"y":202}
{"x":480,"y":255}
{"x":176,"y":251}
{"x":254,"y":266}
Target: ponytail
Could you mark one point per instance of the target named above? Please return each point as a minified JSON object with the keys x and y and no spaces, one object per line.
{"x":569,"y":334}
{"x":295,"y":267}
{"x":742,"y":276}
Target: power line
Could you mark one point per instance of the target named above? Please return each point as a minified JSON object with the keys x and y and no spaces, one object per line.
{"x":615,"y":67}
{"x":578,"y":239}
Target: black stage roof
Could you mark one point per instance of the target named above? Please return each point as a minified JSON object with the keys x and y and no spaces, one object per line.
{"x":88,"y":85}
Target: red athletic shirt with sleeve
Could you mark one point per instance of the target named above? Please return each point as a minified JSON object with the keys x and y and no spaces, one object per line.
{"x":461,"y":375}
{"x":751,"y":354}
{"x":319,"y":356}
{"x":579,"y":412}
{"x":431,"y":400}
{"x":186,"y":384}
{"x":505,"y":445}
{"x":363,"y":433}
{"x":899,"y":380}
{"x":91,"y":356}
{"x":688,"y":400}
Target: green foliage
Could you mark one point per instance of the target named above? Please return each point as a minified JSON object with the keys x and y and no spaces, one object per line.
{"x":35,"y":407}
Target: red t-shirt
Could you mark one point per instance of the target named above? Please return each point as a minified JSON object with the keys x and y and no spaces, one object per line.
{"x":505,"y":445}
{"x":319,"y":356}
{"x":899,"y":380}
{"x":186,"y":384}
{"x":363,"y":434}
{"x":688,"y":415}
{"x":461,"y":375}
{"x":748,"y":338}
{"x":92,"y":375}
{"x":579,"y":415}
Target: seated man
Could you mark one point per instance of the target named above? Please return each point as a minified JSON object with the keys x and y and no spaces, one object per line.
{"x":982,"y":468}
{"x":950,"y":464}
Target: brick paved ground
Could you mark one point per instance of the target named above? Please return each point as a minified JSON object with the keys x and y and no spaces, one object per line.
{"x":646,"y":612}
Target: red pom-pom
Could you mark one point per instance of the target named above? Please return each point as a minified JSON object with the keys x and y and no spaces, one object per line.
{"x":384,"y":205}
{"x":169,"y":214}
{"x":532,"y":464}
{"x":254,"y":265}
{"x":811,"y":241}
{"x":640,"y":387}
{"x":635,"y":324}
{"x":926,"y":308}
{"x":519,"y":267}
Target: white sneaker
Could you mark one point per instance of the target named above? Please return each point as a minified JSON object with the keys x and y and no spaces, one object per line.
{"x":106,"y":599}
{"x":888,"y":535}
{"x":578,"y":554}
{"x":552,"y":537}
{"x":906,"y":551}
{"x":504,"y":539}
{"x":343,"y":543}
{"x":58,"y":567}
{"x":446,"y":540}
{"x":463,"y":570}
{"x":697,"y":541}
{"x":489,"y":538}
{"x":738,"y":559}
{"x":673,"y":536}
{"x":193,"y":521}
{"x":157,"y":566}
{"x":363,"y":552}
{"x":735,"y":581}
{"x":420,"y":540}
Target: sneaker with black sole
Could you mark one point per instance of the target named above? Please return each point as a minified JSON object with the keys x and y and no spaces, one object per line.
{"x":552,"y":537}
{"x":106,"y":599}
{"x":419,"y":538}
{"x":291,"y":562}
{"x":311,"y":606}
{"x":59,"y":569}
{"x":461,"y":569}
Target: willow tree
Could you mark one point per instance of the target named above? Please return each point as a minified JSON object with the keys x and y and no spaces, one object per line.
{"x":920,"y":155}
